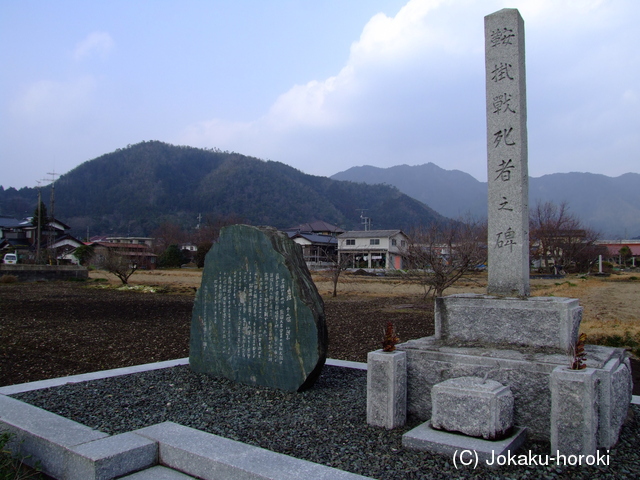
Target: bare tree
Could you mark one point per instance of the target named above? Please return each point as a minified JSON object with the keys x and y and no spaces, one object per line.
{"x":439,"y":255}
{"x":339,"y":263}
{"x":558,"y":239}
{"x":166,"y":234}
{"x":120,"y":265}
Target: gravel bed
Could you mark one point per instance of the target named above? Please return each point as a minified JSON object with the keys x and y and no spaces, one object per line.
{"x":326,"y":424}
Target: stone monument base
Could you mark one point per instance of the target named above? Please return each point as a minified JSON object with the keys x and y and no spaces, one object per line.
{"x":427,"y":439}
{"x":551,"y":323}
{"x":528,"y":374}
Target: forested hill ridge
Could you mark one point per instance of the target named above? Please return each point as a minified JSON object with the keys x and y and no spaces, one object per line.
{"x":608,"y":205}
{"x":133,"y":190}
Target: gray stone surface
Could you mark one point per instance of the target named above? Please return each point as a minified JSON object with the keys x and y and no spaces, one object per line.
{"x":507,"y":163}
{"x":526,"y":373}
{"x":472,"y":406}
{"x":427,"y":439}
{"x":43,"y":436}
{"x":110,"y":457}
{"x":615,"y":388}
{"x":386,"y":389}
{"x":209,"y":457}
{"x":574,"y":411}
{"x":257,"y":317}
{"x":158,"y":473}
{"x":541,"y":322}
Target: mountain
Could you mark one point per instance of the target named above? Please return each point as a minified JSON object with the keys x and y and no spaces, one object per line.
{"x":606,"y":204}
{"x":135,"y":189}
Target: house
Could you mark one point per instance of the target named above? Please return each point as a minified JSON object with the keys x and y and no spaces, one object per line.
{"x":318,"y":250}
{"x":374,"y":248}
{"x":22,"y":236}
{"x":148,"y":241}
{"x":318,"y":242}
{"x":613,"y":250}
{"x":12,"y":234}
{"x":317,"y":227}
{"x":137,"y":249}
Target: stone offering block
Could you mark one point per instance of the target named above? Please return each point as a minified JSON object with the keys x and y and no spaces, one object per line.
{"x":472,"y":406}
{"x":540,"y":322}
{"x":257,"y":317}
{"x":387,"y":389}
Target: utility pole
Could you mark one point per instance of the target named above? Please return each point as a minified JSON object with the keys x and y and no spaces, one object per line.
{"x":39,"y":221}
{"x":366,"y":221}
{"x":52,"y":213}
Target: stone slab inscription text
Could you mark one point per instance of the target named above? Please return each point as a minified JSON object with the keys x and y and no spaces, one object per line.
{"x":508,"y":176}
{"x":257,"y":317}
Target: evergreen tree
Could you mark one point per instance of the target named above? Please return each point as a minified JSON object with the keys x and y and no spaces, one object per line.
{"x":172,"y":257}
{"x":40,"y":213}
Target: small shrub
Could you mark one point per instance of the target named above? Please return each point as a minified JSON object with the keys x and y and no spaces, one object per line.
{"x":8,"y":279}
{"x":12,"y":468}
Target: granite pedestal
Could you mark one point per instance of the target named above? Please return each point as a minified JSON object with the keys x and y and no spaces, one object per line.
{"x":527,"y":373}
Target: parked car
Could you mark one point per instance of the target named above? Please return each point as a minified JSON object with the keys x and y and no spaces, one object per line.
{"x":10,"y":258}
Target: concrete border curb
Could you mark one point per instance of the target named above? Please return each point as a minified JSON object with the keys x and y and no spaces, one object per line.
{"x":67,"y":450}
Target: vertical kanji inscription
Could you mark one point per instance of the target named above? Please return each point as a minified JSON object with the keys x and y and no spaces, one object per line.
{"x":507,"y":167}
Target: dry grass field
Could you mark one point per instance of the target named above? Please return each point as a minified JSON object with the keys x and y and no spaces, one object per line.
{"x":611,"y":304}
{"x":52,"y":329}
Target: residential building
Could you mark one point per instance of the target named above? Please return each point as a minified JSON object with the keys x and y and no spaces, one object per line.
{"x":318,"y":250}
{"x":22,"y":236}
{"x":374,"y":248}
{"x":613,"y":250}
{"x":137,"y":249}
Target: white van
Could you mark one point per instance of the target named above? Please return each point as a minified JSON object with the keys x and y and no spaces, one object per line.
{"x":10,"y":258}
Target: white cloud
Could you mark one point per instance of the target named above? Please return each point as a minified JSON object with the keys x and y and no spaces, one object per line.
{"x":386,"y":44}
{"x":50,"y":101}
{"x":99,"y":43}
{"x":412,"y":91}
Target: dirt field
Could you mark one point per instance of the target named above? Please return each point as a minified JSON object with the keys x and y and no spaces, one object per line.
{"x":52,"y":329}
{"x":611,"y":304}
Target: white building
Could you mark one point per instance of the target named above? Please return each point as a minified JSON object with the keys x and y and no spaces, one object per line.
{"x":374,"y":248}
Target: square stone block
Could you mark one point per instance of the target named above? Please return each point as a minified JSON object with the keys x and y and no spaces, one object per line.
{"x":386,"y":389}
{"x":540,"y":322}
{"x":574,"y":411}
{"x":473,"y":406}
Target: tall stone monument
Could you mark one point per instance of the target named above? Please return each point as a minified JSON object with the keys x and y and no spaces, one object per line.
{"x":523,"y":343}
{"x":257,"y":317}
{"x":508,"y":175}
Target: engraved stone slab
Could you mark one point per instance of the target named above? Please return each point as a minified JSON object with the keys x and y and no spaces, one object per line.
{"x":472,"y":406}
{"x":507,"y":164}
{"x":257,"y":317}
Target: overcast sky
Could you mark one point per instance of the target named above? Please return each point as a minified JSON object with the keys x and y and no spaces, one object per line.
{"x":321,"y":85}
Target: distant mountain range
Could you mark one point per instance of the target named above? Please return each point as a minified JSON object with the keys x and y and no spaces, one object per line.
{"x":133,"y":190}
{"x":608,"y":205}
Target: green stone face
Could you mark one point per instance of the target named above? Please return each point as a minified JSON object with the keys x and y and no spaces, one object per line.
{"x":257,"y":317}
